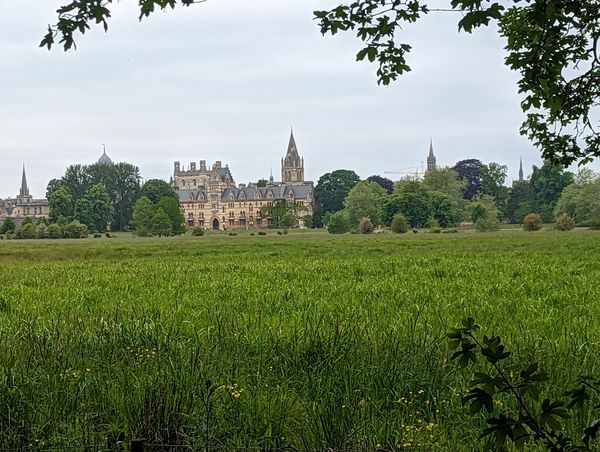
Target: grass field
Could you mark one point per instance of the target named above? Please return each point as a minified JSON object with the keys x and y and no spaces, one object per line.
{"x":308,"y":339}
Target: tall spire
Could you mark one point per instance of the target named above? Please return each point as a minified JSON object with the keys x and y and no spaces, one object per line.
{"x":24,"y":188}
{"x":292,"y":166}
{"x":431,"y":161}
{"x":521,"y":170}
{"x":292,"y":150}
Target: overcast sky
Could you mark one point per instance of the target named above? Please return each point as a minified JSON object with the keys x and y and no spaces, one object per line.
{"x":226,"y":79}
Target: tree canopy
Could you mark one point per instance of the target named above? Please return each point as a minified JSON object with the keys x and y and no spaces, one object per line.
{"x":552,"y":44}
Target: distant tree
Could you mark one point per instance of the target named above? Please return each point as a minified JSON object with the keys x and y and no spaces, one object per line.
{"x":170,"y":206}
{"x":121,"y":181}
{"x":331,"y":191}
{"x":493,"y":177}
{"x":548,"y":182}
{"x":412,"y":200}
{"x":365,"y":199}
{"x":25,"y":231}
{"x":41,"y":231}
{"x":262,"y":183}
{"x":444,"y":209}
{"x":102,"y":210}
{"x":308,"y":221}
{"x":581,"y":202}
{"x":143,"y":216}
{"x":338,"y":223}
{"x":470,"y":173}
{"x":27,"y":220}
{"x":520,"y":202}
{"x":482,"y":206}
{"x":161,"y":223}
{"x":155,"y":189}
{"x":84,"y":212}
{"x":8,"y":225}
{"x":384,"y":182}
{"x":445,"y":180}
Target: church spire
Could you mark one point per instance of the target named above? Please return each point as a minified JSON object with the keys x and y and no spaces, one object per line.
{"x":431,"y":160}
{"x":521,"y":170}
{"x":292,"y":166}
{"x":24,"y":188}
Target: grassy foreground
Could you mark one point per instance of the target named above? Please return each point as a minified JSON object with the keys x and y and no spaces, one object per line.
{"x":309,"y":340}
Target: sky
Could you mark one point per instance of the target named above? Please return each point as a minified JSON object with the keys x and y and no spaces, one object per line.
{"x":225,"y":80}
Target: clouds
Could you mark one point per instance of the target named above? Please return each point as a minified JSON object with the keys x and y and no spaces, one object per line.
{"x":224,"y":80}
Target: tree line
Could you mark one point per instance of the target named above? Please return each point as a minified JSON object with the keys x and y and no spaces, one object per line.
{"x":469,"y":191}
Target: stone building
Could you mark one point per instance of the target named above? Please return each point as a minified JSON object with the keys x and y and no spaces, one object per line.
{"x":210,"y":198}
{"x":24,"y":205}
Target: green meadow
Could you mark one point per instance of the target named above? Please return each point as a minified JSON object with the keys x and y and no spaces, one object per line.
{"x":258,"y":342}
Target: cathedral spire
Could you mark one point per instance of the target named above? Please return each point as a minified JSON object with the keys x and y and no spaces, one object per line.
{"x":521,"y":170}
{"x":24,"y":188}
{"x":292,"y":166}
{"x":431,"y":160}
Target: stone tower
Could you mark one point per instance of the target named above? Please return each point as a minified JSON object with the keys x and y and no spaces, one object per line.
{"x":292,"y":166}
{"x":430,"y":157}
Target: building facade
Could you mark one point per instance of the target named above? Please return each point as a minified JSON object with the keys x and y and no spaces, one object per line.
{"x":24,"y":205}
{"x":210,"y":199}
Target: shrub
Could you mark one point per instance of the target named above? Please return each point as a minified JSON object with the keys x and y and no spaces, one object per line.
{"x":55,"y":231}
{"x":450,"y":231}
{"x":41,"y":231}
{"x":365,"y":226}
{"x":262,"y":233}
{"x":232,"y":234}
{"x":75,"y":230}
{"x":532,"y":222}
{"x":25,"y":231}
{"x":564,"y":222}
{"x":279,"y":233}
{"x":434,"y":226}
{"x":487,"y":224}
{"x":338,"y":223}
{"x":399,"y":224}
{"x":198,"y":231}
{"x":252,"y":234}
{"x":415,"y":231}
{"x":285,"y":231}
{"x":107,"y":234}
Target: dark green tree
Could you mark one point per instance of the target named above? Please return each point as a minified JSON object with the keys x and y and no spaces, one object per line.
{"x":493,"y":177}
{"x":331,"y":190}
{"x":384,"y":182}
{"x":170,"y":206}
{"x":61,"y":204}
{"x":444,"y":209}
{"x":155,"y":189}
{"x":102,"y":210}
{"x":161,"y":222}
{"x":520,"y":202}
{"x":548,"y":183}
{"x":366,"y":199}
{"x":445,"y":180}
{"x":412,"y":201}
{"x":8,"y":225}
{"x":469,"y":172}
{"x":84,"y":212}
{"x":143,"y":216}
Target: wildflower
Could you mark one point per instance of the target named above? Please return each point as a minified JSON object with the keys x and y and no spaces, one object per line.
{"x":420,"y":391}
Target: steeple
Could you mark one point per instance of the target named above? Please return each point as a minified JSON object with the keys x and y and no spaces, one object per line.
{"x":292,"y":166}
{"x":521,"y":170}
{"x":431,"y":160}
{"x":24,"y":191}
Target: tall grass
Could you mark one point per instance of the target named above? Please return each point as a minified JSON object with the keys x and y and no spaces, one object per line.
{"x":259,"y":342}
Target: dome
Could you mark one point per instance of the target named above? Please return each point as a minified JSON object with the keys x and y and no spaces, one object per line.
{"x":104,"y":159}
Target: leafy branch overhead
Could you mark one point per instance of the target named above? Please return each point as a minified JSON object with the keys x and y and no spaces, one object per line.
{"x":552,"y":44}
